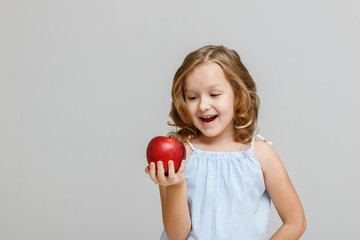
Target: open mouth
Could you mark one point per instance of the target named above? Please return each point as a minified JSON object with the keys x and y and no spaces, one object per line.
{"x":208,"y":119}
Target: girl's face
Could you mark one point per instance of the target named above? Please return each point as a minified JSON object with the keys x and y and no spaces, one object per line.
{"x":210,"y":101}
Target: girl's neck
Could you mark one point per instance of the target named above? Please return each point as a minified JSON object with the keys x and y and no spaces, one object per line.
{"x":213,"y":140}
{"x":218,"y":144}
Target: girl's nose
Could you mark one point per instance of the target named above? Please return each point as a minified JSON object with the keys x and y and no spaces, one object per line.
{"x":204,"y":104}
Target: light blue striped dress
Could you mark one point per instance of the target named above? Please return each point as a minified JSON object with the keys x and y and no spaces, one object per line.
{"x":226,"y":195}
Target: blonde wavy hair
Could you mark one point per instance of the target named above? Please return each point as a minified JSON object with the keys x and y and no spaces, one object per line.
{"x":246,"y":103}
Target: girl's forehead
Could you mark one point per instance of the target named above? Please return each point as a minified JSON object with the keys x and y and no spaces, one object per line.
{"x":206,"y":75}
{"x":206,"y":69}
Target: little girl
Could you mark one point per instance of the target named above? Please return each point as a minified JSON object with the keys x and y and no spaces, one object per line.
{"x":224,"y":188}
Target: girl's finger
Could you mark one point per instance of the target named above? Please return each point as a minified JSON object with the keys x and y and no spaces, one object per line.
{"x":153,"y":173}
{"x":171,"y":170}
{"x":161,"y":172}
{"x":182,"y":167}
{"x":147,"y":169}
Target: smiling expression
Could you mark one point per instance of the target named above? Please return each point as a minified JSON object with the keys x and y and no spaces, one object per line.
{"x":210,"y":101}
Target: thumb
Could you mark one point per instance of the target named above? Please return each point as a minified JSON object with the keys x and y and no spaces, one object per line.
{"x":147,"y":169}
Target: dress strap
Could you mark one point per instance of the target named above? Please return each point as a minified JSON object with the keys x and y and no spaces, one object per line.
{"x":190,"y":145}
{"x":258,"y":136}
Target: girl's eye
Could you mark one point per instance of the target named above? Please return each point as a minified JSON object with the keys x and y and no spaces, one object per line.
{"x":191,"y":98}
{"x":214,"y":95}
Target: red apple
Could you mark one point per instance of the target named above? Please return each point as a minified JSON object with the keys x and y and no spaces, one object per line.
{"x":164,"y":149}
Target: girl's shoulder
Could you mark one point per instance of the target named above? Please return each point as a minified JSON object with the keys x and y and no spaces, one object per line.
{"x":266,"y":155}
{"x":188,"y":149}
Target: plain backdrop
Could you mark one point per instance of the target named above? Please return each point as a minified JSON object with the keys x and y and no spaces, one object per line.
{"x":85,"y":85}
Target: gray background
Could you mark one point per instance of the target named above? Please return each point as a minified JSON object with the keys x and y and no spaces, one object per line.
{"x":84,"y":85}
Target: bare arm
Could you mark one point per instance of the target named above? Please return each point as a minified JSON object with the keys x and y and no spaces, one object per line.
{"x":282,"y":193}
{"x":173,"y":194}
{"x":176,"y":216}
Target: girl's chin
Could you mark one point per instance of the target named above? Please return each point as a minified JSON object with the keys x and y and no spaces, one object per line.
{"x":215,"y":133}
{"x":209,"y":134}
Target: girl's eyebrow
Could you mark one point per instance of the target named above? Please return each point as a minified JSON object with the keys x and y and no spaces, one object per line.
{"x":216,"y":86}
{"x":186,"y":90}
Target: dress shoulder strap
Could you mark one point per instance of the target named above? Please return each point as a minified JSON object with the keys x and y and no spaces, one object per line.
{"x":258,"y":136}
{"x":192,"y":147}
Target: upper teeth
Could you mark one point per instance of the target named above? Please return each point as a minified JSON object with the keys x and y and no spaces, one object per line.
{"x":208,"y":117}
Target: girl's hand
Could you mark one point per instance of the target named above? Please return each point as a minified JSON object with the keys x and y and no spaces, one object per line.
{"x":159,"y":176}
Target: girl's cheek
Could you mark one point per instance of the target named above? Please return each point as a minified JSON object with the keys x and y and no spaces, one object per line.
{"x":193,"y":110}
{"x":191,"y":107}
